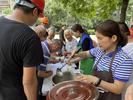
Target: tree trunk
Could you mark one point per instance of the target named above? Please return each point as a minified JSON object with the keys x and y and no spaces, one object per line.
{"x":123,"y":10}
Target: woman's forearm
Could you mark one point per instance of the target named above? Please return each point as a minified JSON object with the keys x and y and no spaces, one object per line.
{"x":115,"y":87}
{"x":75,"y":60}
{"x":83,"y":55}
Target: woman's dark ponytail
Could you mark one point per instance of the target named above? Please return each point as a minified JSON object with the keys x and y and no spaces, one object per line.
{"x":109,"y":28}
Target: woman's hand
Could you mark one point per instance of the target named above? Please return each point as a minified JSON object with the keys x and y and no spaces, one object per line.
{"x":129,"y":93}
{"x":87,"y":78}
{"x":66,"y":54}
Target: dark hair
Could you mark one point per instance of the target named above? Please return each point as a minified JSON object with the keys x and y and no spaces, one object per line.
{"x":124,"y":28}
{"x":26,"y":9}
{"x":109,"y":28}
{"x":57,"y":42}
{"x":77,"y":27}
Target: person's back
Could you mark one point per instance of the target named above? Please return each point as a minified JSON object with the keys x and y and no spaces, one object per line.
{"x":15,"y":40}
{"x":20,"y":51}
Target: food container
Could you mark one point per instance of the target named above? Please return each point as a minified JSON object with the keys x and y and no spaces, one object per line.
{"x":73,"y":90}
{"x":66,"y":76}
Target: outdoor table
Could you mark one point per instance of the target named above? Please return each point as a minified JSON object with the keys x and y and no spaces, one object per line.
{"x":47,"y":83}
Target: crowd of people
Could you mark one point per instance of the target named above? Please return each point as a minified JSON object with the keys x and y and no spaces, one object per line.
{"x":25,"y":53}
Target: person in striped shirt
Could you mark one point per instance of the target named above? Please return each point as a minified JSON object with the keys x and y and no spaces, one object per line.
{"x":112,"y":67}
{"x":48,"y":47}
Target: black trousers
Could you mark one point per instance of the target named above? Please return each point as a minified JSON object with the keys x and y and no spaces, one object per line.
{"x":77,"y":65}
{"x":40,"y":95}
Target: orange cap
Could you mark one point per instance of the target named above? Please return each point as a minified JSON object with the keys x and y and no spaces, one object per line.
{"x":131,"y":32}
{"x":44,"y":20}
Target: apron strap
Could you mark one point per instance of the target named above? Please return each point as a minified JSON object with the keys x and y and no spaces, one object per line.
{"x":95,"y":66}
{"x":112,"y":59}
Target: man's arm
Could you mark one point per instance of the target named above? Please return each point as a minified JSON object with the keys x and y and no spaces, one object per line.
{"x":30,"y":82}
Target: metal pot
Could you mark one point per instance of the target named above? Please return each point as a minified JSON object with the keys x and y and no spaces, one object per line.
{"x":65,"y":77}
{"x":73,"y":90}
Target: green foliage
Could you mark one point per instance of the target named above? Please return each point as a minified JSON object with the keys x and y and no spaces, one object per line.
{"x":91,"y":31}
{"x":86,"y":12}
{"x":100,"y":9}
{"x":55,"y":12}
{"x":129,"y":17}
{"x":60,"y":15}
{"x":7,"y":11}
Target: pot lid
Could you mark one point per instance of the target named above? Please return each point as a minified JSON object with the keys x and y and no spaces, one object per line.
{"x":73,"y":90}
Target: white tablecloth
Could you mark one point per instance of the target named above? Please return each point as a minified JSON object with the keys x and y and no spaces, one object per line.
{"x":47,"y":83}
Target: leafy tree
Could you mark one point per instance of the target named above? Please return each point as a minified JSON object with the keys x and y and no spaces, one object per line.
{"x":129,"y":13}
{"x":60,"y":15}
{"x":86,"y":12}
{"x":96,"y":9}
{"x":7,"y":11}
{"x":100,"y":9}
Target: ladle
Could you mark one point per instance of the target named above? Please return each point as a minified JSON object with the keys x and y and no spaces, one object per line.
{"x":59,"y":72}
{"x":77,"y":51}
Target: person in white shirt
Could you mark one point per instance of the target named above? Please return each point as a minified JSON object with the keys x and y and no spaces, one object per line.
{"x":51,"y":33}
{"x":128,"y":48}
{"x":71,"y":42}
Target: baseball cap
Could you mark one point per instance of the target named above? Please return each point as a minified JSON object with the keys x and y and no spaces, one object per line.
{"x":34,"y":3}
{"x":44,"y":20}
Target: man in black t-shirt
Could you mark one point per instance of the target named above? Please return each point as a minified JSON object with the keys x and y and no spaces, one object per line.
{"x":20,"y":51}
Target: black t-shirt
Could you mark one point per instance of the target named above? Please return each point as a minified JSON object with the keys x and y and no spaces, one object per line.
{"x":19,"y":47}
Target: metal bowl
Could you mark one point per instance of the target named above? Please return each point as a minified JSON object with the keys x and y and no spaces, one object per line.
{"x":65,"y":77}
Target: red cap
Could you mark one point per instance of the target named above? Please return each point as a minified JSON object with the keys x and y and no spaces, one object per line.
{"x":131,"y":32}
{"x":40,"y":5}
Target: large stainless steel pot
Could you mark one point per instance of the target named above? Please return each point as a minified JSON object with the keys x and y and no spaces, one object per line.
{"x":65,"y":77}
{"x":73,"y":90}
